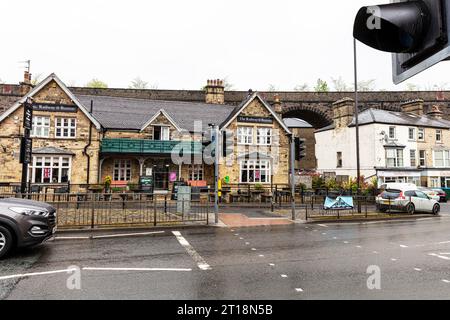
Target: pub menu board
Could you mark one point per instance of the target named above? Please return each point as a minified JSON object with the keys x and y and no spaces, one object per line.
{"x":175,"y":186}
{"x":146,"y":183}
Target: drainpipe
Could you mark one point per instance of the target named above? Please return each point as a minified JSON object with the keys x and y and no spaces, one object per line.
{"x":87,"y":146}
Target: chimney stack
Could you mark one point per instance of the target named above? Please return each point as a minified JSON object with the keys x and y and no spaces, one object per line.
{"x":435,"y":112}
{"x":25,"y":85}
{"x":343,"y":112}
{"x":413,"y":106}
{"x":277,"y":107}
{"x":215,"y":92}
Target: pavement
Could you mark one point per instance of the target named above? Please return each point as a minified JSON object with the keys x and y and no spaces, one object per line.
{"x":409,"y":260}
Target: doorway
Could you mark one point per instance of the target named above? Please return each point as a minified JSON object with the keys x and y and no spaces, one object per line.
{"x":161,"y":177}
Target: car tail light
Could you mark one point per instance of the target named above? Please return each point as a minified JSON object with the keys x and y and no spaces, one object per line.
{"x":401,"y":196}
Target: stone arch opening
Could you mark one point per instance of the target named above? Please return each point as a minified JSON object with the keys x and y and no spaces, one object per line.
{"x":313,"y":115}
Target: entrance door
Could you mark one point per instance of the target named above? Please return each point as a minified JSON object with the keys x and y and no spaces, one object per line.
{"x":161,"y":177}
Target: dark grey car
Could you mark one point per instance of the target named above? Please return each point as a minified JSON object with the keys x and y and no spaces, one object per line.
{"x":25,"y":223}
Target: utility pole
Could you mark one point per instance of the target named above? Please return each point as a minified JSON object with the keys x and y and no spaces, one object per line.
{"x":358,"y":167}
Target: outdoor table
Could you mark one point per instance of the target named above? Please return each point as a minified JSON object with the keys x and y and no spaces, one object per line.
{"x":256,"y":195}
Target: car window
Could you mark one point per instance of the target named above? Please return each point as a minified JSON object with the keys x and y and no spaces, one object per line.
{"x":422,"y":195}
{"x":410,"y":193}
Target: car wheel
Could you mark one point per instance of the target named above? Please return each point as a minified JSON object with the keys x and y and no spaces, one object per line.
{"x":5,"y":241}
{"x":410,"y":208}
{"x":436,"y":209}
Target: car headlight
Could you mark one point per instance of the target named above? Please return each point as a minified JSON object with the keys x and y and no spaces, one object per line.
{"x":29,"y":211}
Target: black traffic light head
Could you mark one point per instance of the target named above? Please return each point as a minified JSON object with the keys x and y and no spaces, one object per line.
{"x":227,"y":143}
{"x":395,"y":27}
{"x":415,"y":31}
{"x":300,"y":148}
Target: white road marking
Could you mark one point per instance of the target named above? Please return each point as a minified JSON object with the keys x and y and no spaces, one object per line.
{"x":253,"y":249}
{"x":424,"y":219}
{"x":315,"y":230}
{"x":272,"y":264}
{"x":376,"y":252}
{"x":201,"y":263}
{"x":299,"y":289}
{"x":417,"y":269}
{"x":403,"y":246}
{"x":23,"y":275}
{"x":284,"y":276}
{"x":240,"y":238}
{"x":393,"y":259}
{"x":137,"y":269}
{"x":334,"y":238}
{"x":261,"y":256}
{"x":439,"y":256}
{"x":443,"y":242}
{"x":127,"y":235}
{"x":346,"y":242}
{"x":236,"y":234}
{"x":323,"y":225}
{"x":359,"y":247}
{"x":445,"y":280}
{"x":247,"y":243}
{"x":324,"y":233}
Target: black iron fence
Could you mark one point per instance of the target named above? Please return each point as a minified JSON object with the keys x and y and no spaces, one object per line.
{"x":102,"y":210}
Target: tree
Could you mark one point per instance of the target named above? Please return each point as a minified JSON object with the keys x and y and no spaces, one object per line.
{"x":321,"y":86}
{"x":138,"y":83}
{"x":340,"y":85}
{"x":366,"y":85}
{"x":272,"y":88}
{"x":302,"y":87}
{"x":96,"y":83}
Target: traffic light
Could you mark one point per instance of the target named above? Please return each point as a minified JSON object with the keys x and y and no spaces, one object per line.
{"x":227,"y":143}
{"x":415,"y":31}
{"x":300,"y":148}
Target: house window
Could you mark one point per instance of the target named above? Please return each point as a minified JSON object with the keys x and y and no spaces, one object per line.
{"x":412,"y":134}
{"x":161,"y":133}
{"x":255,"y":171}
{"x":438,"y":135}
{"x":122,"y":170}
{"x":65,"y":127}
{"x":412,"y":157}
{"x":422,"y":158}
{"x":421,"y":134}
{"x":391,"y":132}
{"x":245,"y":135}
{"x":435,"y":182}
{"x":394,"y":158}
{"x":196,"y":172}
{"x":41,"y":127}
{"x":441,"y":158}
{"x":264,"y":136}
{"x":339,"y":160}
{"x":50,"y":169}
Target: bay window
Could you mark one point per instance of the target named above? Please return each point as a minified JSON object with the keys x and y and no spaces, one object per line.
{"x":394,"y":158}
{"x":441,"y":158}
{"x":50,"y":169}
{"x":255,"y":171}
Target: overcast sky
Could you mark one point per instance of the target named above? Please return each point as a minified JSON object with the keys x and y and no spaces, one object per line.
{"x":178,"y":44}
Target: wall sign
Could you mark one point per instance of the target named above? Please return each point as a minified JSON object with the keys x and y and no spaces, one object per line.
{"x":28,"y":117}
{"x":249,"y":119}
{"x":26,"y":149}
{"x":54,"y":107}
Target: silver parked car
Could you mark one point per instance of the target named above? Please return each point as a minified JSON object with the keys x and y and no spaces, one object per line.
{"x":25,"y":223}
{"x":409,"y":200}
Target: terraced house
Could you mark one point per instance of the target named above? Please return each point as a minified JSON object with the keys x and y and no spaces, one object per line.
{"x":409,"y":146}
{"x":82,"y":139}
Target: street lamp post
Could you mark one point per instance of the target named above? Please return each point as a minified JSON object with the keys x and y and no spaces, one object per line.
{"x":26,"y":142}
{"x":358,"y":167}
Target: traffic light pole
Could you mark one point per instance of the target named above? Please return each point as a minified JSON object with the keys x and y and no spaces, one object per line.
{"x":216,"y":175}
{"x":292,"y":176}
{"x":358,"y":167}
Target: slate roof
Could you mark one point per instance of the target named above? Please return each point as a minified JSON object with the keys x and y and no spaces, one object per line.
{"x":132,"y":114}
{"x":296,"y":123}
{"x":399,"y":118}
{"x":52,"y":150}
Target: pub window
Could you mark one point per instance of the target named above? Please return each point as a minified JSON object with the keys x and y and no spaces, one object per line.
{"x":245,"y":135}
{"x":50,"y":169}
{"x":438,"y":135}
{"x":41,"y":127}
{"x":65,"y":127}
{"x":196,"y":172}
{"x":264,"y":136}
{"x":255,"y":171}
{"x":122,"y":170}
